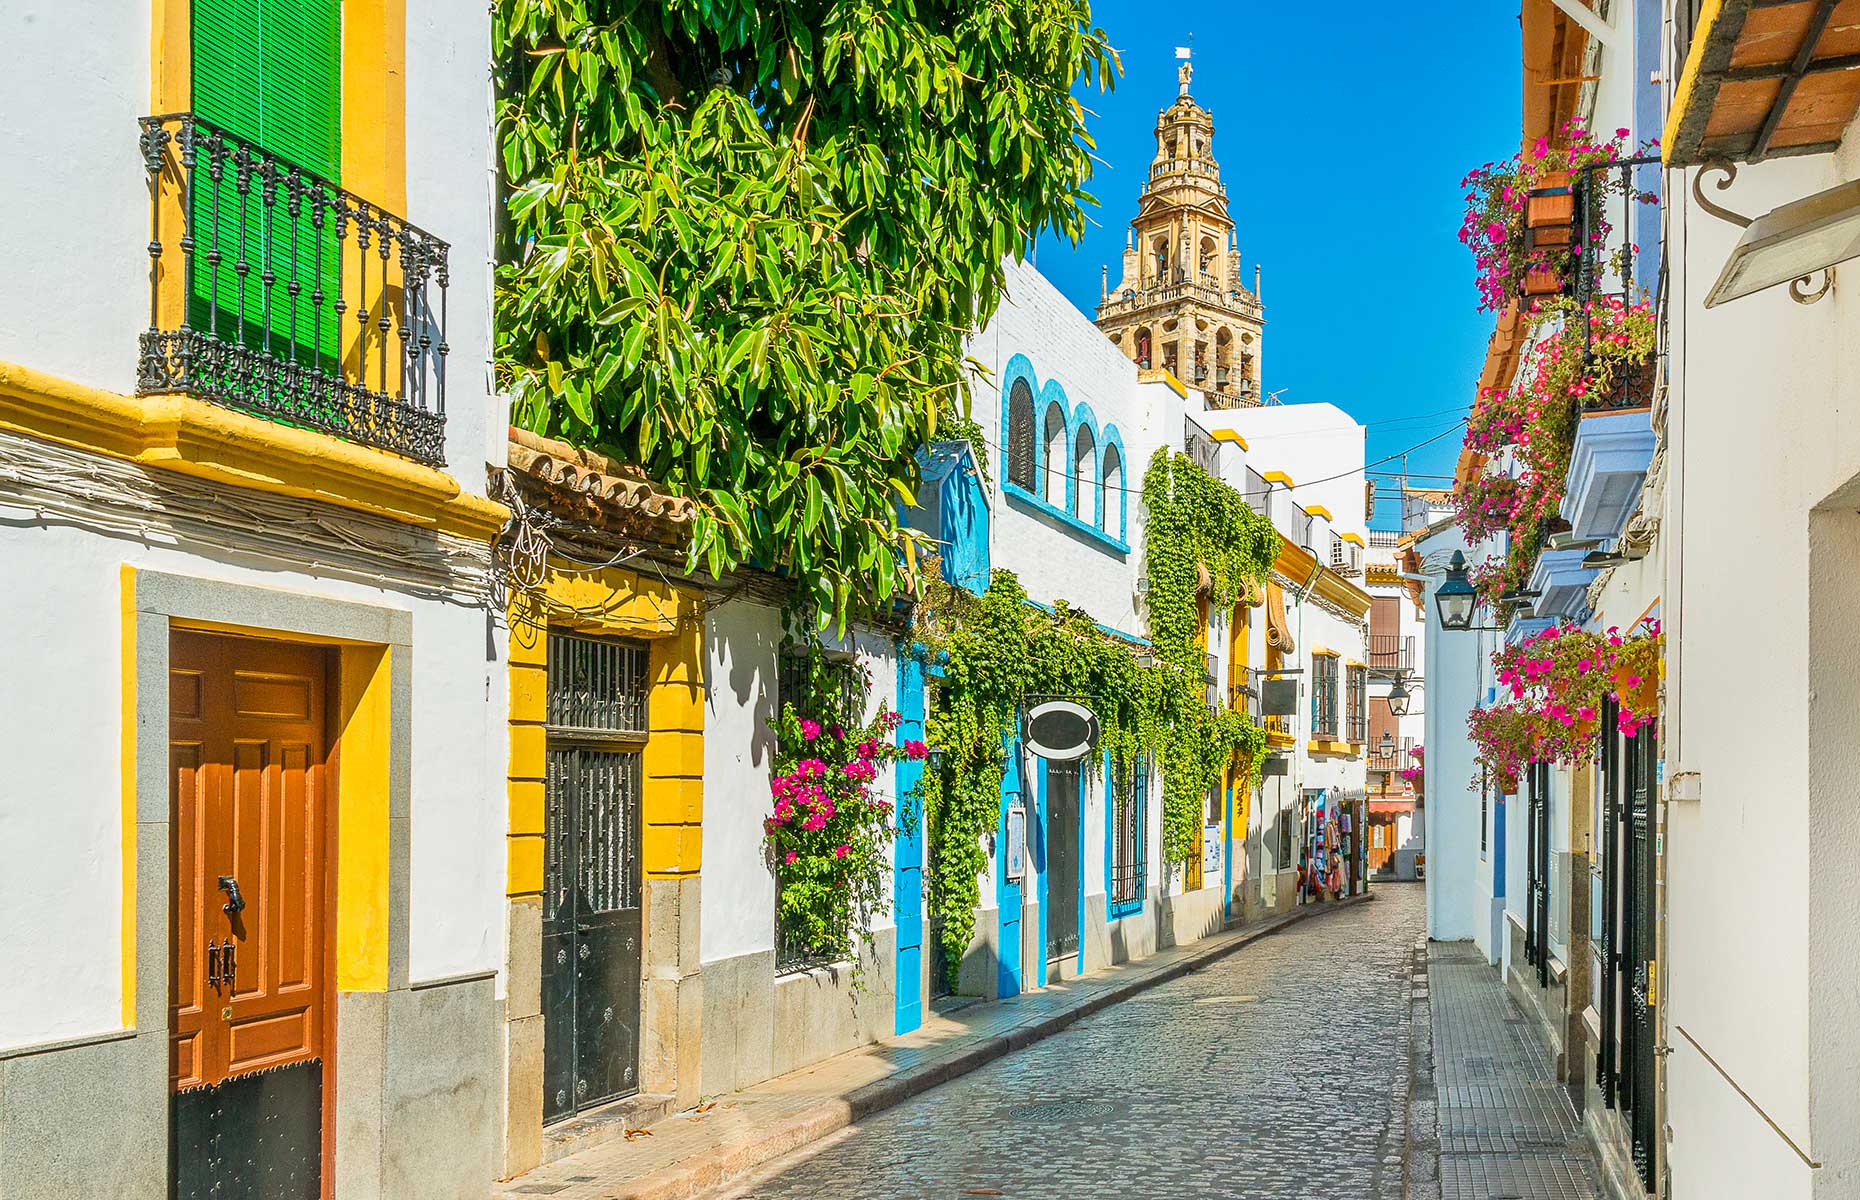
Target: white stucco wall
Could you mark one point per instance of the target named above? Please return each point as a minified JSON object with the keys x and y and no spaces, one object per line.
{"x":61,"y":834}
{"x":1311,"y":443}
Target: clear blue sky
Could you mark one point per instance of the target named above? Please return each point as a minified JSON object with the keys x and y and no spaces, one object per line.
{"x":1342,"y":139}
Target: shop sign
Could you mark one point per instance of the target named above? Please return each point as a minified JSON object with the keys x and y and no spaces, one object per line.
{"x":1059,"y":730}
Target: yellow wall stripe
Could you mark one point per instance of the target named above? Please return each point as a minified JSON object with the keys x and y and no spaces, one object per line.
{"x":362,"y":830}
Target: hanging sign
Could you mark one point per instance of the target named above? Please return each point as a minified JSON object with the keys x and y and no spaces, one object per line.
{"x":1059,"y":730}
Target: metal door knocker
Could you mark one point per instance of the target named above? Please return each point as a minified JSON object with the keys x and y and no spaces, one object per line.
{"x":235,"y":903}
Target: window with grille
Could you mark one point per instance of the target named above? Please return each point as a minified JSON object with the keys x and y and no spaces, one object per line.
{"x":1324,"y":670}
{"x":595,"y":726}
{"x":1129,"y":856}
{"x":1357,"y":704}
{"x":1020,"y":435}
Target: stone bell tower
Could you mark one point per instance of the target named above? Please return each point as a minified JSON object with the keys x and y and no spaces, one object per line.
{"x":1181,"y":306}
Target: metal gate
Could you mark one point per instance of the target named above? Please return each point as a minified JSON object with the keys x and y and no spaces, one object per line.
{"x":1637,"y":1092}
{"x":1537,"y":915}
{"x":1062,"y":859}
{"x":591,"y":873}
{"x":1607,"y":1065}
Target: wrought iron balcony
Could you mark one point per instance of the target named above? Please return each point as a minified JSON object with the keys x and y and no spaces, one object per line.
{"x":274,"y":291}
{"x":1391,"y":652}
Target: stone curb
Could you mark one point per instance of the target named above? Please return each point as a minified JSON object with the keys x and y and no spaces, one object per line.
{"x":710,"y":1169}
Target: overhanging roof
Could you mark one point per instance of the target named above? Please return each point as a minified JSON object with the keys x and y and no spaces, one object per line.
{"x":1764,"y":79}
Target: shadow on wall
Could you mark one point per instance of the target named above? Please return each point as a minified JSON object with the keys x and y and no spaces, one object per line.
{"x":754,"y":653}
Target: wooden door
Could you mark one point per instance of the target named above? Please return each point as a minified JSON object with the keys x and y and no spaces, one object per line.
{"x":247,"y":970}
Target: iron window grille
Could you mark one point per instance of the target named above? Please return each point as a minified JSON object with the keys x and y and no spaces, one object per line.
{"x":793,"y":686}
{"x":303,"y":303}
{"x":1129,"y":856}
{"x":1357,"y":700}
{"x":1324,"y":696}
{"x":595,"y":728}
{"x":1020,"y":435}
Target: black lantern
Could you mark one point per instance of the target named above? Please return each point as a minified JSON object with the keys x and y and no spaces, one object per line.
{"x":1386,"y":747}
{"x":1398,"y":700}
{"x":1455,"y":598}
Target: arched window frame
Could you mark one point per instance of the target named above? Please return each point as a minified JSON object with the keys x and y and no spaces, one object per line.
{"x":1113,"y":444}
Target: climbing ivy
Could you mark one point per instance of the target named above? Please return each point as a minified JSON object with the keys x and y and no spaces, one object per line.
{"x":997,"y":650}
{"x":1196,"y":522}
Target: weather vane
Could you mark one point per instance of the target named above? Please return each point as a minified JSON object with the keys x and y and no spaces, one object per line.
{"x":1187,"y":69}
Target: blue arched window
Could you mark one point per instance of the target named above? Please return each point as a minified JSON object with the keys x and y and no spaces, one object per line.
{"x":1020,"y":435}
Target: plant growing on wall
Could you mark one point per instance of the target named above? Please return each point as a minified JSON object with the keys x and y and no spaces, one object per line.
{"x":996,"y":651}
{"x":1194,"y":522}
{"x":829,"y":833}
{"x":742,"y":245}
{"x":1416,"y":775}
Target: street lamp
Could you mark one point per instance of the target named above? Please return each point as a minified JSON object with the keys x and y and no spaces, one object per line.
{"x":1398,"y":698}
{"x":1386,"y":747}
{"x":1455,"y":598}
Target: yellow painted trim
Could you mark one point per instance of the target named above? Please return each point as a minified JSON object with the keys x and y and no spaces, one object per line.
{"x":1278,"y":477}
{"x":1164,"y":376}
{"x":1324,"y":652}
{"x":1296,"y":563}
{"x":1281,"y":739}
{"x":1351,"y":662}
{"x":171,"y":89}
{"x":180,"y":433}
{"x":614,"y":602}
{"x":1332,"y":748}
{"x":1688,"y":78}
{"x":1354,"y":538}
{"x":362,"y":827}
{"x":1229,"y":435}
{"x":128,"y":576}
{"x":1318,"y":510}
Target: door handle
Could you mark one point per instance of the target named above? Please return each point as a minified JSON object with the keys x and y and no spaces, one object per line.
{"x":213,"y":964}
{"x":235,"y":903}
{"x":227,"y":962}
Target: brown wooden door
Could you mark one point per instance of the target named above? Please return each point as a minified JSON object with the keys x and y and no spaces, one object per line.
{"x":248,"y":753}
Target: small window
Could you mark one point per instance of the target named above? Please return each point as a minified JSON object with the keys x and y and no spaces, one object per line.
{"x":1129,"y":855}
{"x":1053,"y":476}
{"x":1085,"y":476}
{"x":1020,"y":435}
{"x":1324,"y":696}
{"x":1112,"y":492}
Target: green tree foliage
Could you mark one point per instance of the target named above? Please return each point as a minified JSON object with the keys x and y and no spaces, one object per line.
{"x":744,"y":243}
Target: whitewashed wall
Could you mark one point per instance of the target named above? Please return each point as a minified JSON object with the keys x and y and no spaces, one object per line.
{"x":1311,"y":443}
{"x":741,"y":641}
{"x":61,"y":875}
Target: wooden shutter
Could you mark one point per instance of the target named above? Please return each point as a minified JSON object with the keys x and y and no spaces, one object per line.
{"x":269,"y":72}
{"x":1020,"y":435}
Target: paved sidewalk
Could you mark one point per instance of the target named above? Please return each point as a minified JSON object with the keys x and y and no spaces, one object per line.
{"x":693,"y":1152}
{"x":1488,"y":1119}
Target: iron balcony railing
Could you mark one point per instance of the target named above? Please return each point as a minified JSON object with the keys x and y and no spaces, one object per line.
{"x":288,"y":297}
{"x":1385,"y":539}
{"x":1611,"y":200}
{"x":1391,"y":651}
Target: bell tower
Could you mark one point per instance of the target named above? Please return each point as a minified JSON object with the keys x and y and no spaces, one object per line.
{"x":1181,"y":306}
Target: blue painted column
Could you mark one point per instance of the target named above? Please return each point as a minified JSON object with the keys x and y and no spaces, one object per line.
{"x":1008,"y":891}
{"x":908,"y":851}
{"x":1037,"y":833}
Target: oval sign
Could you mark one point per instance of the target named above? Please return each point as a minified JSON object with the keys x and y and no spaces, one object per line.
{"x":1061,"y":730}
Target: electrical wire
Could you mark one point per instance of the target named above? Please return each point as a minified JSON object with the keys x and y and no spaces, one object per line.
{"x":1062,"y":473}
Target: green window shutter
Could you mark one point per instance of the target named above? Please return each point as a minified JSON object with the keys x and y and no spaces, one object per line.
{"x":269,"y":72}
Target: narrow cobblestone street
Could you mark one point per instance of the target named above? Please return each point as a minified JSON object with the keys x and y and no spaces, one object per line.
{"x":1280,"y":1071}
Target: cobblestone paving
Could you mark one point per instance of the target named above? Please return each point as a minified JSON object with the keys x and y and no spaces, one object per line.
{"x":1281,"y":1071}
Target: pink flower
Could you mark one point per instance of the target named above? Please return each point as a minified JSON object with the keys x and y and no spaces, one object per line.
{"x":915,"y":749}
{"x":810,"y":730}
{"x":792,"y":858}
{"x":841,"y":850}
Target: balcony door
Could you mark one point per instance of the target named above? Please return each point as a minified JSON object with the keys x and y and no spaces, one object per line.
{"x":267,"y":258}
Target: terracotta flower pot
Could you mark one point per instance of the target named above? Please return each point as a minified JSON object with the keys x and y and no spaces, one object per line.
{"x":1643,"y":698}
{"x":1508,"y":784}
{"x":1541,"y":281}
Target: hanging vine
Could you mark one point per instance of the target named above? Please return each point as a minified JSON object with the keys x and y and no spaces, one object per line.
{"x":1196,"y":523}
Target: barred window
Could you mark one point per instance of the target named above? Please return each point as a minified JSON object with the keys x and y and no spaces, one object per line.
{"x":1020,"y":435}
{"x":1358,"y":704}
{"x":1324,"y":695}
{"x":1129,"y":855}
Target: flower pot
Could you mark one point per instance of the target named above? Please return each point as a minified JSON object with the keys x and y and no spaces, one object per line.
{"x":1541,"y":281}
{"x":1641,"y":699}
{"x":1631,"y":387}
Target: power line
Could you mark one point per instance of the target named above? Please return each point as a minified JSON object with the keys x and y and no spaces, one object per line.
{"x":1362,"y":470}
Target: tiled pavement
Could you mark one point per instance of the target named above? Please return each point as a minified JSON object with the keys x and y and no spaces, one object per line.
{"x":1488,"y":1119}
{"x":1311,"y":1001}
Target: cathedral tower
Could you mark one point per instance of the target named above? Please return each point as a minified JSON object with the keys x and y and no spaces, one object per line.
{"x":1181,"y":306}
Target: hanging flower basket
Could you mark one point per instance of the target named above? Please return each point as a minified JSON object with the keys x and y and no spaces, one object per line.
{"x":1540,"y":282}
{"x":1550,"y":213}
